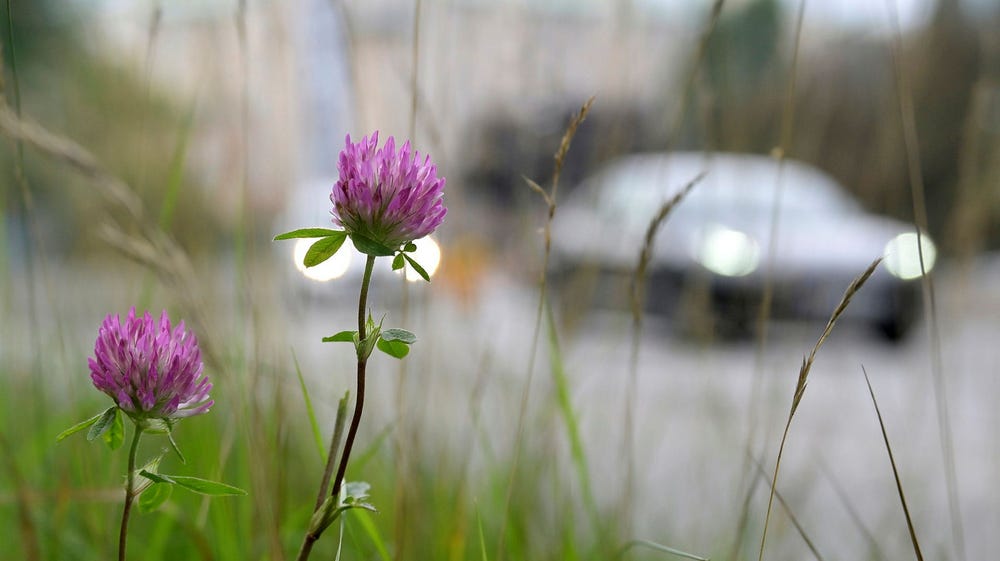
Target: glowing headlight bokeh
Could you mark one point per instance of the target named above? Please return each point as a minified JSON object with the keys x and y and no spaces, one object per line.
{"x":428,"y":254}
{"x":328,"y":270}
{"x":728,"y":252}
{"x":902,"y":256}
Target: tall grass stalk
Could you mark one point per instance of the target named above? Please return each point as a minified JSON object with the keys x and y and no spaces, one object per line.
{"x":767,"y":298}
{"x":550,"y":201}
{"x":800,"y":386}
{"x":637,"y":298}
{"x":911,"y":146}
{"x":26,"y":525}
{"x":577,"y":452}
{"x":895,"y":472}
{"x":762,"y":474}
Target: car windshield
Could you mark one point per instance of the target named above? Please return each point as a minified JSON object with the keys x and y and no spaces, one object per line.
{"x":742,"y":186}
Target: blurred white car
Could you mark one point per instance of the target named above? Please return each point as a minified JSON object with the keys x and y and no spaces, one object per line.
{"x":715,"y":243}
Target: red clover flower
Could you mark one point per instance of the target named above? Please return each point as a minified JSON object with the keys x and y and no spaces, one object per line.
{"x":151,"y":370}
{"x":386,"y":196}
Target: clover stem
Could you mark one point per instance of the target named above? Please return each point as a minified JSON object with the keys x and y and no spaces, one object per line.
{"x":359,"y":403}
{"x":129,"y":493}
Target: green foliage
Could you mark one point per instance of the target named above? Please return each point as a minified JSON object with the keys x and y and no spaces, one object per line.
{"x":416,"y":267}
{"x":395,"y":349}
{"x":323,"y":249}
{"x":308,"y":233}
{"x":80,"y":426}
{"x":154,"y":496}
{"x":341,"y":337}
{"x":104,"y":423}
{"x":194,"y":484}
{"x":371,"y":247}
{"x":114,"y":436}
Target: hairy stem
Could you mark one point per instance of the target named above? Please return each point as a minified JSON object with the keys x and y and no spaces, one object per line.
{"x":129,"y":493}
{"x":359,"y":404}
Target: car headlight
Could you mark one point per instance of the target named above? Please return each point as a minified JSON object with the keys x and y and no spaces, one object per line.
{"x":328,"y":270}
{"x":728,"y":252}
{"x":902,"y":255}
{"x":428,"y":255}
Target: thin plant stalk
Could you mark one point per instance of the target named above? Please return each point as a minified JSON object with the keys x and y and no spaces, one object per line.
{"x":550,"y":202}
{"x":631,"y":387}
{"x":803,"y":379}
{"x":130,"y":493}
{"x":763,"y":320}
{"x":311,"y":537}
{"x":911,"y":147}
{"x":895,"y":471}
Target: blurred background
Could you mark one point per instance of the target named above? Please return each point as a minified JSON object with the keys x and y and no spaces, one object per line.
{"x":155,"y":148}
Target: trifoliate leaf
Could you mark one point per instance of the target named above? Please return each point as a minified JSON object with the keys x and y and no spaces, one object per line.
{"x":204,"y":486}
{"x":342,"y":337}
{"x":154,"y":496}
{"x":416,"y":267}
{"x":397,"y":334}
{"x":80,"y":426}
{"x":155,"y":477}
{"x":396,"y":349}
{"x":103,"y":424}
{"x":115,"y":435}
{"x":371,"y":247}
{"x":308,"y":233}
{"x":175,"y":448}
{"x":323,"y":249}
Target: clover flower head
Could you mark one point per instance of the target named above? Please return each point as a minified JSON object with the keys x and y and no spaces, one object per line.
{"x":387,"y":196}
{"x":151,"y":370}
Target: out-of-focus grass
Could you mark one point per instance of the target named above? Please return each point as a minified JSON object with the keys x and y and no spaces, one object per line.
{"x":260,"y":435}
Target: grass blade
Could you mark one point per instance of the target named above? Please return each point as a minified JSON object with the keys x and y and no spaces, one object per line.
{"x":482,"y":538}
{"x":911,"y":147}
{"x":658,"y":547}
{"x":895,"y":472}
{"x":788,"y":511}
{"x":310,"y":412}
{"x":579,"y":456}
{"x":368,"y":525}
{"x":550,"y":201}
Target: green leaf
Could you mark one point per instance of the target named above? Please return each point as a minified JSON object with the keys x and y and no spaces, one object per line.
{"x":204,"y":486}
{"x":103,"y":424}
{"x":79,"y":426}
{"x":416,"y":267}
{"x":157,"y":426}
{"x":175,"y":448}
{"x":115,"y":435}
{"x":371,"y":247}
{"x":397,"y":349}
{"x":154,"y":496}
{"x":397,"y":262}
{"x":323,"y":249}
{"x":397,"y":334}
{"x":369,"y":527}
{"x":156,"y":477}
{"x":308,"y":233}
{"x":342,"y":337}
{"x":410,"y":247}
{"x":310,"y":412}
